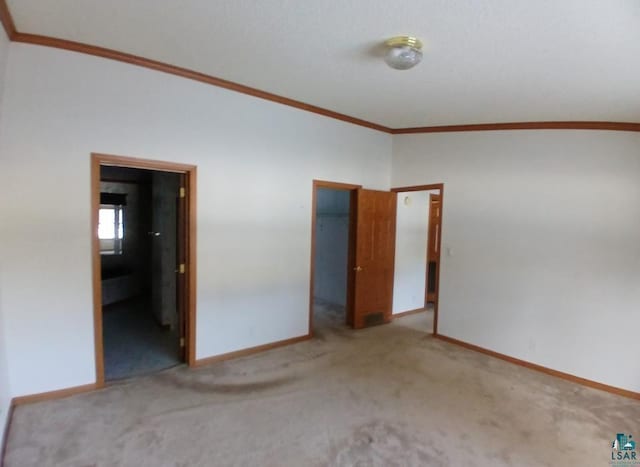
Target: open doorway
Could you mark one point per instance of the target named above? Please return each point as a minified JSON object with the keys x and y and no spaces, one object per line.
{"x":433,"y":245}
{"x":332,"y":253}
{"x":417,"y":261}
{"x":144,"y":250}
{"x":360,"y":240}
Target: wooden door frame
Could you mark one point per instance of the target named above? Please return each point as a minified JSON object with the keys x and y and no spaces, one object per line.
{"x":190,"y":172}
{"x":440,"y":187}
{"x":351,"y":250}
{"x":426,"y":279}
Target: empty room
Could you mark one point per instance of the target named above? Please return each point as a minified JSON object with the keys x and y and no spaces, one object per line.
{"x":362,"y":233}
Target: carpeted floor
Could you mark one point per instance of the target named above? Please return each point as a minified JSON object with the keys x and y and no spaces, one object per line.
{"x":385,"y":396}
{"x":134,"y":343}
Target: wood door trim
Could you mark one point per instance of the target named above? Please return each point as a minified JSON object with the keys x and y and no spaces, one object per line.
{"x":432,"y":197}
{"x":543,"y":369}
{"x":192,"y":258}
{"x":407,"y":313}
{"x":140,"y":163}
{"x":190,"y":171}
{"x":96,"y":272}
{"x":314,"y":198}
{"x":7,"y":20}
{"x":432,"y":186}
{"x":394,"y":235}
{"x":51,"y":395}
{"x":335,"y":185}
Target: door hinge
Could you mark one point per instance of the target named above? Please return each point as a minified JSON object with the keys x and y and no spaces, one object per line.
{"x":182,"y":192}
{"x":181,"y":268}
{"x":182,"y":342}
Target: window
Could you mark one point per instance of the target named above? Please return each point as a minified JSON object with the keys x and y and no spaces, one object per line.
{"x":111,"y":229}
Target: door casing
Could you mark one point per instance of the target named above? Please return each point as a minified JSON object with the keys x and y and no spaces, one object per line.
{"x":190,"y":176}
{"x":433,"y":234}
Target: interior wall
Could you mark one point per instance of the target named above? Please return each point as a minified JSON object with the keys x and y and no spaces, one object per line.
{"x":540,"y":257}
{"x":332,"y":246}
{"x":253,"y":242}
{"x":5,"y":389}
{"x":410,"y":270}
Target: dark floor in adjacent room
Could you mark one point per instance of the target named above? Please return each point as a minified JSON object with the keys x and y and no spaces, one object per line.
{"x":134,"y":343}
{"x":327,"y":315}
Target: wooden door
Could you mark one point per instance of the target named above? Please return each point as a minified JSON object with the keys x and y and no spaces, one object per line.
{"x":181,"y":257}
{"x":374,"y":257}
{"x":435,"y":208}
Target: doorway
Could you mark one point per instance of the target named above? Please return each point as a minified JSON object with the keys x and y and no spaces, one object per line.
{"x":418,"y":251}
{"x":332,"y":255}
{"x":143,"y":220}
{"x":433,"y":246}
{"x":367,"y":232}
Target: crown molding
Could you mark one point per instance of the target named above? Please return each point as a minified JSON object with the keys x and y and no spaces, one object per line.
{"x":46,"y":41}
{"x":7,"y":20}
{"x":36,"y":39}
{"x":611,"y":126}
{"x":111,"y":54}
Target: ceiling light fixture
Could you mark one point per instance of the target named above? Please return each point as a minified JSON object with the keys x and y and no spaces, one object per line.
{"x":403,"y":52}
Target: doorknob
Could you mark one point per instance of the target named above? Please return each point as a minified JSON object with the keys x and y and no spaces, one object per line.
{"x":357,"y":269}
{"x":154,"y":234}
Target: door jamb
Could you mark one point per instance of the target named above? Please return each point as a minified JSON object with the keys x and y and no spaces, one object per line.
{"x":190,"y":172}
{"x":426,"y":289}
{"x":314,"y":198}
{"x":434,"y":186}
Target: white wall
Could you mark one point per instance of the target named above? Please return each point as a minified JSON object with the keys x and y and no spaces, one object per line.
{"x":410,"y":272}
{"x":5,"y":393}
{"x":543,"y":229}
{"x":253,"y":242}
{"x":332,"y":245}
{"x":542,"y":225}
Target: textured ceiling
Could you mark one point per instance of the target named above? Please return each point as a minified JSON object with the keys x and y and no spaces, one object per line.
{"x":485,"y":61}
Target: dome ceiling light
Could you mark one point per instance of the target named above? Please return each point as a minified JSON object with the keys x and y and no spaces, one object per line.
{"x":403,"y":52}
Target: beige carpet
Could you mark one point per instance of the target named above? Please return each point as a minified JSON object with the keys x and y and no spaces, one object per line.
{"x":385,"y":396}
